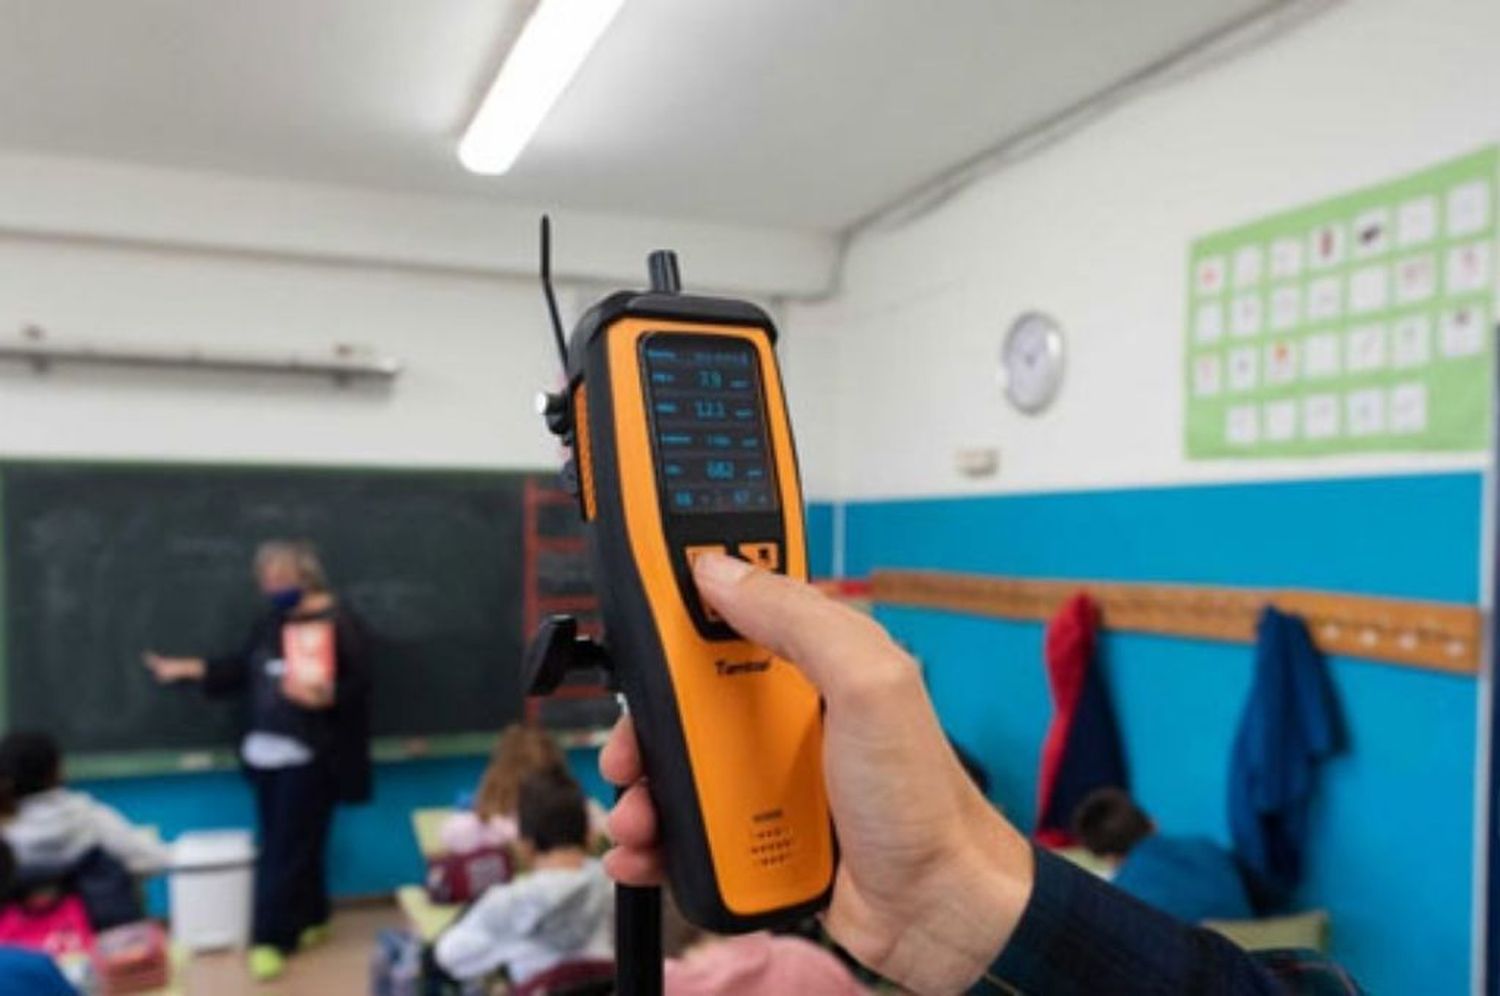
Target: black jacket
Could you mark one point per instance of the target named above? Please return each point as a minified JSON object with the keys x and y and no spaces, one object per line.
{"x":341,"y":733}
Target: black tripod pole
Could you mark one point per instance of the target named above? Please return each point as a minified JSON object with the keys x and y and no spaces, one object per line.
{"x":638,"y":954}
{"x":637,"y":941}
{"x":553,"y":653}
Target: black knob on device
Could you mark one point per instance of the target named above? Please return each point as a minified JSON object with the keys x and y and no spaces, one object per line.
{"x":554,"y":652}
{"x":552,"y":406}
{"x":661,"y":267}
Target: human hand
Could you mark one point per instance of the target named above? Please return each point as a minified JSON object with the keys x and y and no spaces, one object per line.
{"x":170,"y":669}
{"x":932,"y":879}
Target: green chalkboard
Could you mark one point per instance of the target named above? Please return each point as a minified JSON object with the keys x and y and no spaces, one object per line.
{"x":103,"y":561}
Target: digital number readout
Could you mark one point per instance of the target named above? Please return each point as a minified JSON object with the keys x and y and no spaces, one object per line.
{"x":708,"y":425}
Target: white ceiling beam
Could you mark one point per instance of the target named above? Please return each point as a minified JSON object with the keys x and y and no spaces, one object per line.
{"x":57,"y":198}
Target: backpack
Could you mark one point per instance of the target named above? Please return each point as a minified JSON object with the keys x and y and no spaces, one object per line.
{"x":56,"y":925}
{"x":401,"y":965}
{"x":462,"y":878}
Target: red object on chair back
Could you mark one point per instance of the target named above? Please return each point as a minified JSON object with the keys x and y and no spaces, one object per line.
{"x":462,"y":878}
{"x":585,"y":975}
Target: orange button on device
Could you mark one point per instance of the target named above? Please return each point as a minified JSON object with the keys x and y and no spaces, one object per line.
{"x":693,"y":553}
{"x":766,"y":555}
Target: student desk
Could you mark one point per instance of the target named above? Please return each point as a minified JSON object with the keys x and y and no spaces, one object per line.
{"x":426,"y":918}
{"x":427,"y":825}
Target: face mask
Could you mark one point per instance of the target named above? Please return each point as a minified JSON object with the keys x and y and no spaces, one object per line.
{"x":284,"y":599}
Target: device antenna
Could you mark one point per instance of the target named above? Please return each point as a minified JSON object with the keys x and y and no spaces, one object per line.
{"x":666,"y":278}
{"x":557,"y":327}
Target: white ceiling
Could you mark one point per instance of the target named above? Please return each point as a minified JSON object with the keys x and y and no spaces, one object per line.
{"x":804,"y":114}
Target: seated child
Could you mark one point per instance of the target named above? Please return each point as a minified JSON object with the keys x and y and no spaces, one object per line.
{"x":21,"y":970}
{"x":760,"y":964}
{"x":561,"y":909}
{"x":51,"y":827}
{"x":521,"y":751}
{"x":1191,"y":878}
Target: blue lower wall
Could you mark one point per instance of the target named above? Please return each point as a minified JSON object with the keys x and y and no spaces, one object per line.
{"x":372,"y":850}
{"x":820,"y":539}
{"x":1391,"y":851}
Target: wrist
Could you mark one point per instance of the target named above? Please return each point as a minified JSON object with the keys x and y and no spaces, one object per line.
{"x":992,"y":885}
{"x":963,"y":911}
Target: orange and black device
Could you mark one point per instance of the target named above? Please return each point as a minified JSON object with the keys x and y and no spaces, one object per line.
{"x":681,"y":444}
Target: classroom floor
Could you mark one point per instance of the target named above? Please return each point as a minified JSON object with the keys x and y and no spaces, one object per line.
{"x":340,"y":966}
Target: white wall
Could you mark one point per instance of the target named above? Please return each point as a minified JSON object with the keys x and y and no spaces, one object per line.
{"x":121,"y":254}
{"x":1096,"y":231}
{"x":138,"y":205}
{"x":476,"y":350}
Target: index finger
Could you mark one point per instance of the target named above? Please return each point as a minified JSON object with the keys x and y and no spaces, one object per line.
{"x":838,"y":648}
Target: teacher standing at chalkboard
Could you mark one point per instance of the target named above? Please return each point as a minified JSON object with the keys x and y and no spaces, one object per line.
{"x":305,"y":681}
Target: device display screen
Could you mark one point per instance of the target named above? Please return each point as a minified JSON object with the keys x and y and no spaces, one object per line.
{"x":708,"y":424}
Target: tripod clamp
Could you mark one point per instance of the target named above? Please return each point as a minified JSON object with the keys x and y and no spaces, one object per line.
{"x":555,"y":652}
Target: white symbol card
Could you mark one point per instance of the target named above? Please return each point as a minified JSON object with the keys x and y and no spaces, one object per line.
{"x":1245,"y":319}
{"x":1411,"y":342}
{"x":1372,"y":233}
{"x":1416,"y":279}
{"x":1416,"y":222}
{"x":1242,"y":425}
{"x":1462,"y":333}
{"x":1320,"y":356}
{"x":1281,"y":363}
{"x":1325,"y":299}
{"x":1210,"y":278}
{"x":1281,"y":420}
{"x":1209,"y":324}
{"x":1286,"y":308}
{"x":1326,"y":246}
{"x":1365,"y":348}
{"x":1409,"y":408}
{"x":1320,"y":416}
{"x":1286,"y":258}
{"x":1468,"y":268}
{"x":1366,"y":412}
{"x":1468,"y":208}
{"x":1244,"y":368}
{"x":1369,"y":289}
{"x":1247,"y":267}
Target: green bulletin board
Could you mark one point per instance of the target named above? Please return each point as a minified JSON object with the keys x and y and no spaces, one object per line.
{"x":1359,"y":324}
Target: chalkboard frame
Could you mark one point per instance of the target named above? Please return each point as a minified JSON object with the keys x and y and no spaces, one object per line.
{"x":129,"y":764}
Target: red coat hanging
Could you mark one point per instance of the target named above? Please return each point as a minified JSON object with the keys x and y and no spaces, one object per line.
{"x":1082,"y":750}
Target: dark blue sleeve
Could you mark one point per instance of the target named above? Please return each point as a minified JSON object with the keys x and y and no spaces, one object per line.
{"x":228,"y":674}
{"x":31,"y":973}
{"x":1079,"y":934}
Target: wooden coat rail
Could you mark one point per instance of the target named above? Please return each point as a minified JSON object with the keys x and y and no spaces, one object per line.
{"x":1438,"y":636}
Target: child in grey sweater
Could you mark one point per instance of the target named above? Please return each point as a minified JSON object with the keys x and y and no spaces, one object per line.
{"x":560,"y":910}
{"x":50,"y":827}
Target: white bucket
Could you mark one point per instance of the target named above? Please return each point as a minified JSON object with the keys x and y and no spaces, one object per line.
{"x":212,"y":887}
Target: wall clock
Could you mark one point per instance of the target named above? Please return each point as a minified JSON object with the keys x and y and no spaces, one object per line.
{"x":1031,"y":362}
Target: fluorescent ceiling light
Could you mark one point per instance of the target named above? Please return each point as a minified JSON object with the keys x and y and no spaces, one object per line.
{"x":553,"y":44}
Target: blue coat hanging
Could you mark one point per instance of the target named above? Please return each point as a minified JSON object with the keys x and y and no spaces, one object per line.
{"x":1291,"y":724}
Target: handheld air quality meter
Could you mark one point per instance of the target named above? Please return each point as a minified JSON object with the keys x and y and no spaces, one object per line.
{"x":680,"y":441}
